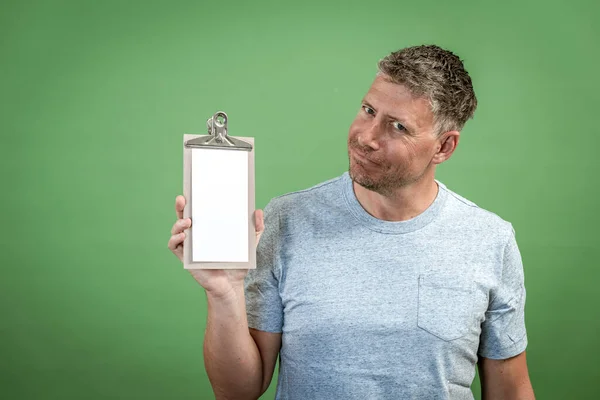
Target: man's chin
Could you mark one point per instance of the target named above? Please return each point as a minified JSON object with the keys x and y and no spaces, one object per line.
{"x":370,"y":184}
{"x":363,"y":181}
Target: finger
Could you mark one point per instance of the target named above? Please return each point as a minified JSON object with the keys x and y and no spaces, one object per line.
{"x":181,"y":225}
{"x":176,"y":240}
{"x":259,"y":220}
{"x":179,"y":206}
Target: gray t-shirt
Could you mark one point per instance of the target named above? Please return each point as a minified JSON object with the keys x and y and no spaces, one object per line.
{"x":373,"y":309}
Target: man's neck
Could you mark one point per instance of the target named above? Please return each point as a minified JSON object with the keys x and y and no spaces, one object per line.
{"x":403,"y":204}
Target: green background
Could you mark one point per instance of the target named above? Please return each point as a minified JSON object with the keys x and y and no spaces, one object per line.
{"x":95,"y":98}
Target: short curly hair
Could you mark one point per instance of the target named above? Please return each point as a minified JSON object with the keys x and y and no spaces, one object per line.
{"x":439,"y":75}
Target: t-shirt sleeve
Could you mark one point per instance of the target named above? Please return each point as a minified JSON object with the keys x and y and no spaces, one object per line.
{"x":503,"y":331}
{"x":263,"y":302}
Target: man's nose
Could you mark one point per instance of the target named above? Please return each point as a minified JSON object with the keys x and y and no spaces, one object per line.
{"x":371,"y":136}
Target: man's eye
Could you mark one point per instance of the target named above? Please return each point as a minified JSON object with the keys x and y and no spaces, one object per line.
{"x":369,"y":110}
{"x":399,"y":126}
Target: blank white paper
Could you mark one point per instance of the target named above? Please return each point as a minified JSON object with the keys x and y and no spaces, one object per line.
{"x":219,"y":205}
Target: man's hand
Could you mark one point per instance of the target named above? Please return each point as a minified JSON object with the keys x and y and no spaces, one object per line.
{"x":218,"y":282}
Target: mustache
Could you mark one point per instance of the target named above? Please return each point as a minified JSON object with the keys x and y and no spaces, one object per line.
{"x":365,"y":152}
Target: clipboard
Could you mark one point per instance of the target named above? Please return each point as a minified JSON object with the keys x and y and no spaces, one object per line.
{"x":213,"y":146}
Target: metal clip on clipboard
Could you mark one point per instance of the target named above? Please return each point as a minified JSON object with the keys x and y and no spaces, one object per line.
{"x":217,"y":137}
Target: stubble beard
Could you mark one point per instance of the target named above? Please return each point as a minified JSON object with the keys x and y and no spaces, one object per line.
{"x":385,"y":185}
{"x":387,"y":182}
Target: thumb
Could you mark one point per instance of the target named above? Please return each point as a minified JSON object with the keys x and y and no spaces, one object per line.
{"x":259,"y":223}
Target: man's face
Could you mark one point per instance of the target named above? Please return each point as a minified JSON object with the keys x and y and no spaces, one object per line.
{"x":391,"y":141}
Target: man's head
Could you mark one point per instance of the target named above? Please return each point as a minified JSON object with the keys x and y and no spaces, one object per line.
{"x":410,"y":119}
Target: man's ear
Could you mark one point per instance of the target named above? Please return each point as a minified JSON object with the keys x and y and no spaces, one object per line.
{"x":447,"y":143}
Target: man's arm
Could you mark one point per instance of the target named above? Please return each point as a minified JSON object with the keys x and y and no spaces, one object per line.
{"x":268,"y":344}
{"x":239,"y":361}
{"x":502,"y":360}
{"x":505,"y":379}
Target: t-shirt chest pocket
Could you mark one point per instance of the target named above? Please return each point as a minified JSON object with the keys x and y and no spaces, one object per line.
{"x":445,"y":306}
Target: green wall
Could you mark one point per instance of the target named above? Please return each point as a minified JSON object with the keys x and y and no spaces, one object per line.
{"x":96,"y":95}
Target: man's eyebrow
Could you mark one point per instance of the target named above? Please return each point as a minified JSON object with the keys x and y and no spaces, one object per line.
{"x":366,"y":103}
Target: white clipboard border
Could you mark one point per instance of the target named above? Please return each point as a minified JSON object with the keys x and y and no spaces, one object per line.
{"x":187,"y":212}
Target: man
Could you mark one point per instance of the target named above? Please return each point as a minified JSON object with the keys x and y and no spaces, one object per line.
{"x":381,"y":283}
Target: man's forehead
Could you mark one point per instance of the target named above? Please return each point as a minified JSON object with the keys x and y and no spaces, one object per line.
{"x":396,"y":92}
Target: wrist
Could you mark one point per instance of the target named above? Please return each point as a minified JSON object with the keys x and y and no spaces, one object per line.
{"x":230,"y":294}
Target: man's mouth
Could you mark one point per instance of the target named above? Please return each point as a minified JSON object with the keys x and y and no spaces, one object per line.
{"x":363,"y":158}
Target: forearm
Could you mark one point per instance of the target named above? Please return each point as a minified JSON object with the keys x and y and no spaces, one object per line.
{"x":231,"y":357}
{"x":505,"y":379}
{"x":521,"y":393}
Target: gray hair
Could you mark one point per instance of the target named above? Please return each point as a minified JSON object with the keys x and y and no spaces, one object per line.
{"x":439,"y":75}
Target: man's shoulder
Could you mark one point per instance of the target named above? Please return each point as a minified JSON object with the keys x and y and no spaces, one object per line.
{"x":293,"y":200}
{"x":467,"y":212}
